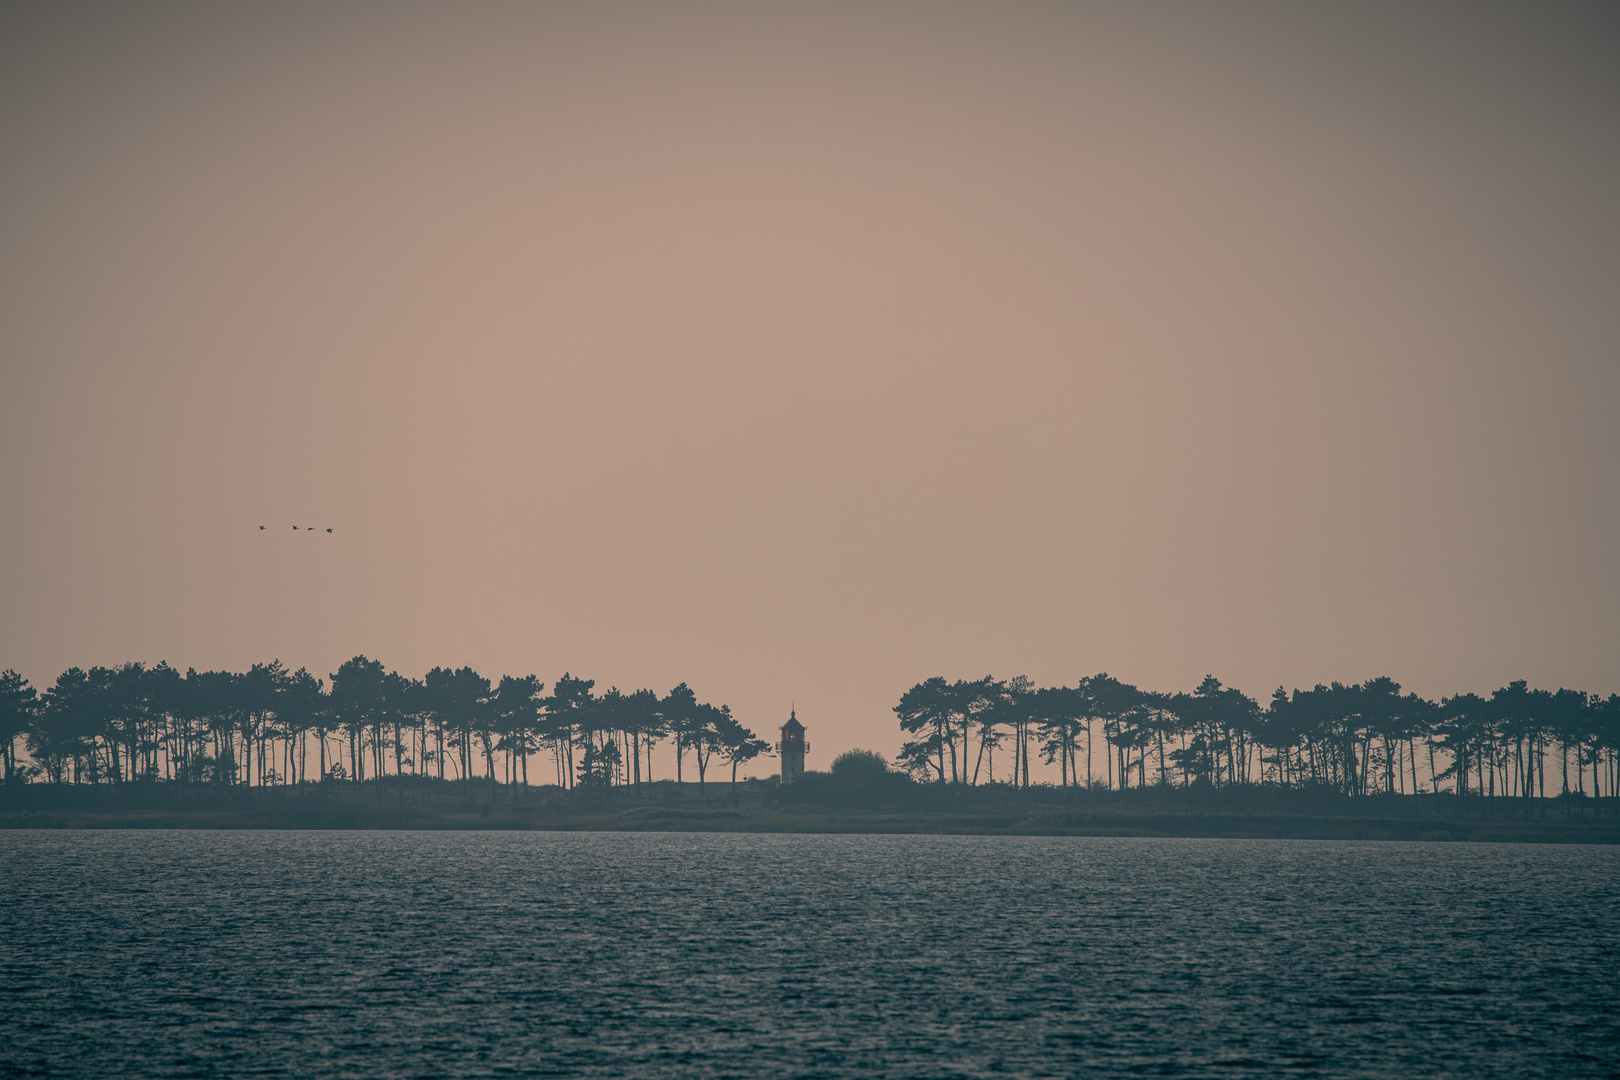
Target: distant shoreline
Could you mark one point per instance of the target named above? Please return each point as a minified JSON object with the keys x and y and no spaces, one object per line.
{"x":1190,"y":827}
{"x":761,"y":807}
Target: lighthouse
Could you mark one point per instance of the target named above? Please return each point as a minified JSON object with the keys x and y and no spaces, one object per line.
{"x":792,"y":749}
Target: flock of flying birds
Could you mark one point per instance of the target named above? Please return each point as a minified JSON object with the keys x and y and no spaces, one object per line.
{"x":307,"y":528}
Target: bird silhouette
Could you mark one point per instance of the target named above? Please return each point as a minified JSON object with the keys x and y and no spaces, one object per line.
{"x":261,"y":528}
{"x":295,"y":528}
{"x":328,"y":530}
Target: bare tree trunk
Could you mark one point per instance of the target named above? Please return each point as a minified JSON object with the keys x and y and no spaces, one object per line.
{"x":1087,"y":784}
{"x":1026,"y":755}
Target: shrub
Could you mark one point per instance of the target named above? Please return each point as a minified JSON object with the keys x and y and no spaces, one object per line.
{"x":855,"y":766}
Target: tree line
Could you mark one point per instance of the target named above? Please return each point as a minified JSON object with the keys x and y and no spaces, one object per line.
{"x":1356,"y":738}
{"x":269,"y":726}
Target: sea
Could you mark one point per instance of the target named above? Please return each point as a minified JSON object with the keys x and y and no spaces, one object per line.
{"x":450,"y":954}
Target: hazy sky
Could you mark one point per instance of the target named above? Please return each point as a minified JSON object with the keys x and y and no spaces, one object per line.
{"x":802,"y":351}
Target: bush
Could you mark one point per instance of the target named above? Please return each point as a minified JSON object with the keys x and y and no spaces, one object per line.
{"x":857,"y":766}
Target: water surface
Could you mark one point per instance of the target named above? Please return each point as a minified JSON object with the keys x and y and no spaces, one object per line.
{"x":648,"y":955}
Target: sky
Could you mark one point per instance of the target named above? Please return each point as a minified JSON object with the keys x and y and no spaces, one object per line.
{"x":802,"y":352}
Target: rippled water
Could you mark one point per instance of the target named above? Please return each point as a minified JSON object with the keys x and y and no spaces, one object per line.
{"x":435,"y":954}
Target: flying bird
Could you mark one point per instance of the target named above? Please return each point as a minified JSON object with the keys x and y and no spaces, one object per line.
{"x":261,"y":528}
{"x":295,"y":528}
{"x":328,"y":530}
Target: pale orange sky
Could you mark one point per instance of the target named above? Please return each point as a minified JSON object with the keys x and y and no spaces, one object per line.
{"x":801,"y":352}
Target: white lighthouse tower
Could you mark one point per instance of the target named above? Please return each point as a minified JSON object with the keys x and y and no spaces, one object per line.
{"x":792,"y":749}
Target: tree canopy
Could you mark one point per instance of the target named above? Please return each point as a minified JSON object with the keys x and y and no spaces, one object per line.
{"x":269,"y":726}
{"x":1356,"y":738}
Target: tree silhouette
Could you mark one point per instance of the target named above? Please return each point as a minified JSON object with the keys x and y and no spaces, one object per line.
{"x":679,"y":710}
{"x":455,"y":701}
{"x":300,"y":708}
{"x":738,"y":744}
{"x":599,"y":740}
{"x":1060,"y":715}
{"x":359,"y":689}
{"x":133,"y":724}
{"x":925,"y":712}
{"x":516,"y":706}
{"x":641,"y":718}
{"x":567,"y":714}
{"x":706,"y":730}
{"x":18,"y":703}
{"x":1013,"y":711}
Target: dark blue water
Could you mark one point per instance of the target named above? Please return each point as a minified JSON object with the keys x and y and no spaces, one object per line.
{"x":472,"y":954}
